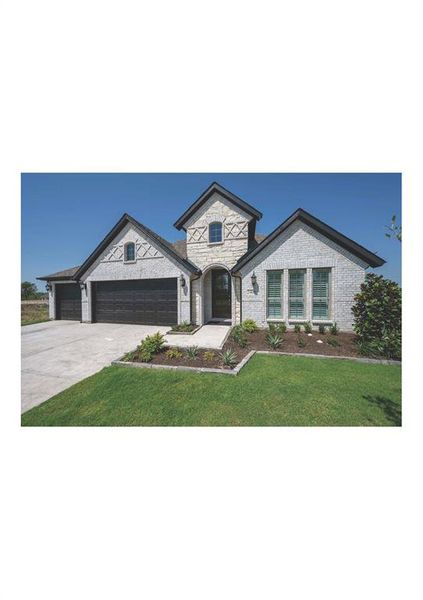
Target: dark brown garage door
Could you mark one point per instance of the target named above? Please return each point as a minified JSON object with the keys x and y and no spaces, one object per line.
{"x":142,"y":301}
{"x":68,"y":301}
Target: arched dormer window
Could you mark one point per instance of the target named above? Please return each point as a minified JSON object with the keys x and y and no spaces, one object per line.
{"x":215,"y":233}
{"x":129,"y":252}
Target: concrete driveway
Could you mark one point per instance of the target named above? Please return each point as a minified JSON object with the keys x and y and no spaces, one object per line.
{"x":57,"y":354}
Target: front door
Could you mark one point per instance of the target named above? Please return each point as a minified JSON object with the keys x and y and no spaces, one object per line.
{"x":221,"y":294}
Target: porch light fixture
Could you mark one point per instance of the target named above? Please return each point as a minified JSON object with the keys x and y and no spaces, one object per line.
{"x":253,"y":279}
{"x":82,"y":285}
{"x":182,"y":280}
{"x":48,"y":287}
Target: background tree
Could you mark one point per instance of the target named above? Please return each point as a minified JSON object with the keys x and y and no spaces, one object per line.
{"x":28,"y":291}
{"x":395,"y":231}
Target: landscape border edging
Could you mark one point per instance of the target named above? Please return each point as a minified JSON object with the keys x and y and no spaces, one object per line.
{"x":246,"y":359}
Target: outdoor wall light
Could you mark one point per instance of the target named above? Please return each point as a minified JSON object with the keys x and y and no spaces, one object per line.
{"x":83,"y":286}
{"x":48,"y":287}
{"x":253,"y":279}
{"x":182,"y":280}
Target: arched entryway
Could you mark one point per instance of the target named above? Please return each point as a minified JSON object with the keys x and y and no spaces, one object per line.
{"x":217,"y":294}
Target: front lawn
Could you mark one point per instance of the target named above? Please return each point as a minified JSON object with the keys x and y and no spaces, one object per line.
{"x":270,"y":390}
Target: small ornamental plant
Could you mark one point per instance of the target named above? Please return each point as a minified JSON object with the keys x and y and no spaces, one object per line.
{"x":307,"y":327}
{"x":145,"y":355}
{"x":249,"y":326}
{"x":209,"y":356}
{"x":322,"y":329}
{"x":174,"y":353}
{"x":301,"y":342}
{"x":274,"y":341}
{"x":192,"y":352}
{"x":333,"y":342}
{"x":297,"y":328}
{"x":153,"y":343}
{"x":229,"y":358}
{"x":184,"y":327}
{"x":277,"y":328}
{"x":239,"y":336}
{"x":334,"y":330}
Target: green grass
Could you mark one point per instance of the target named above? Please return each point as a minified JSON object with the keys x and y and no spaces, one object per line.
{"x":270,"y":390}
{"x":34,"y":313}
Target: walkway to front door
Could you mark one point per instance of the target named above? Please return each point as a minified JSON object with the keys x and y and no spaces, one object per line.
{"x":221,"y":294}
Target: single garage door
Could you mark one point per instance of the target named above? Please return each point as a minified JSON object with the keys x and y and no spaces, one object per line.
{"x":68,"y":301}
{"x":141,"y":301}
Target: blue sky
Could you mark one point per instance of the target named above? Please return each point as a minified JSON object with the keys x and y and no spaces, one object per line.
{"x":65,"y":216}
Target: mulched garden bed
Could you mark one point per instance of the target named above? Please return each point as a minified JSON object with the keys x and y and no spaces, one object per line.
{"x":212,"y":359}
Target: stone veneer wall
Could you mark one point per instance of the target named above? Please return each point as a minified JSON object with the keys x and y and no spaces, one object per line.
{"x":301,"y":247}
{"x":235,"y":234}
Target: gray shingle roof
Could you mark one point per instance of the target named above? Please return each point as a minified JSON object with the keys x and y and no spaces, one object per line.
{"x":65,"y":274}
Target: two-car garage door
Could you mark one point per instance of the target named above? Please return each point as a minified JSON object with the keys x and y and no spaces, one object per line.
{"x":141,"y":301}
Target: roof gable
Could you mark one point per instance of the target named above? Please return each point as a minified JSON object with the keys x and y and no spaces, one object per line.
{"x":356,"y":249}
{"x":212,"y":189}
{"x":159,"y":241}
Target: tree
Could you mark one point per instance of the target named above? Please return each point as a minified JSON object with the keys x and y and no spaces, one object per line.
{"x":377,"y":317}
{"x":28,"y":291}
{"x":395,"y":231}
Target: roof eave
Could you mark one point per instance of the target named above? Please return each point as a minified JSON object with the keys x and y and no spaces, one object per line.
{"x":216,"y":187}
{"x":365,"y":255}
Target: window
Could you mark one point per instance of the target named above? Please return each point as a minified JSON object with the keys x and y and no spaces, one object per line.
{"x":215,"y":233}
{"x":274,"y":294}
{"x":129,"y":251}
{"x":320,"y":293}
{"x":296,"y":294}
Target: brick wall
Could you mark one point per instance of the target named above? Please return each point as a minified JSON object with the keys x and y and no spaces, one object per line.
{"x":300,"y":247}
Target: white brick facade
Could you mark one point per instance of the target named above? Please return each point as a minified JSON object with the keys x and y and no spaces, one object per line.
{"x":301,"y":247}
{"x":150,"y":263}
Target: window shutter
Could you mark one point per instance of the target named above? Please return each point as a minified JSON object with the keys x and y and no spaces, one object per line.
{"x":274,"y":294}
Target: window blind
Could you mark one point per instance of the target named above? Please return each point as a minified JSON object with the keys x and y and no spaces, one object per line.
{"x":296,"y":294}
{"x":274,"y":294}
{"x":320,"y":293}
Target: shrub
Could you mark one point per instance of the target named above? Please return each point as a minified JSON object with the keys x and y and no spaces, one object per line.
{"x":322,"y":329}
{"x":307,"y":327}
{"x":297,"y":328}
{"x":377,"y":308}
{"x":334,"y":329}
{"x":239,"y":336}
{"x":333,"y":342}
{"x":153,"y":343}
{"x":174,"y":353}
{"x":192,"y":352}
{"x":389,"y":346}
{"x":229,"y":358}
{"x":184,"y":326}
{"x":145,"y":355}
{"x":274,"y":341}
{"x":249,"y":326}
{"x":209,"y":355}
{"x":301,"y":342}
{"x":129,"y":356}
{"x":277,"y":328}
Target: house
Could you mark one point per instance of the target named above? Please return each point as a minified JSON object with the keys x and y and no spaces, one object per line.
{"x":223,"y":271}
